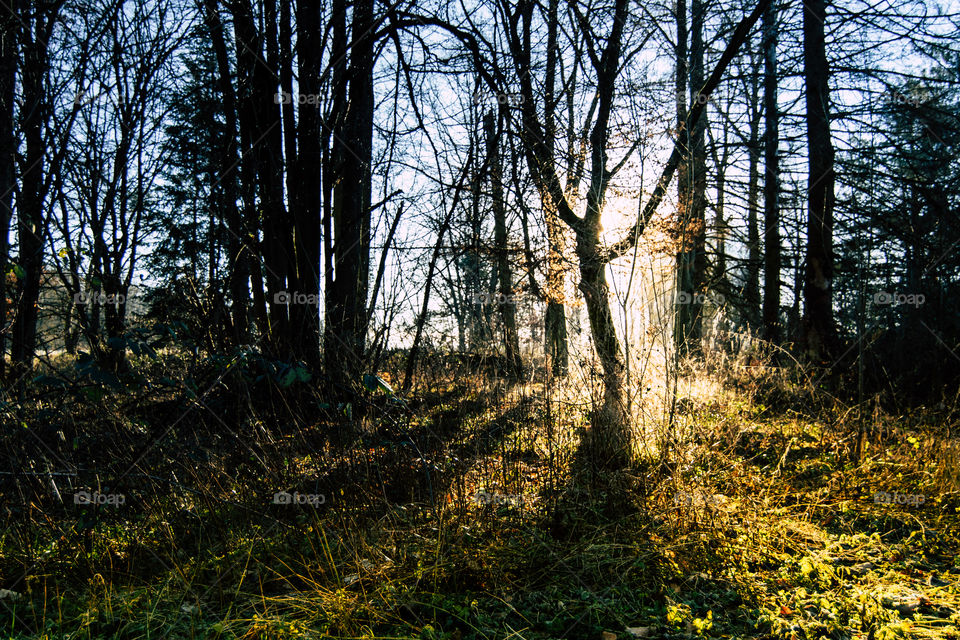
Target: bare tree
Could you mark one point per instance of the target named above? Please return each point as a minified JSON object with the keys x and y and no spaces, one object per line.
{"x":691,"y":183}
{"x":348,"y":287}
{"x":555,"y":321}
{"x":103,"y":216}
{"x":9,"y":32}
{"x":37,"y":22}
{"x":259,"y":119}
{"x":240,"y":254}
{"x":771,"y":182}
{"x":506,"y":297}
{"x":819,"y":331}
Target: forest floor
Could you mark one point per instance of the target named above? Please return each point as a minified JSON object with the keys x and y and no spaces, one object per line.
{"x":473,"y":521}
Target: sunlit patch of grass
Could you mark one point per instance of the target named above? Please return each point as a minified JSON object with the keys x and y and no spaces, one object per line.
{"x":760,"y":522}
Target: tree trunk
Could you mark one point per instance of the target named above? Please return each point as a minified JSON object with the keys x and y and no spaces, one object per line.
{"x":30,"y":218}
{"x":610,"y":435}
{"x":345,"y":337}
{"x":819,"y":334}
{"x":555,"y":320}
{"x":555,"y":328}
{"x":112,"y":355}
{"x":505,"y":299}
{"x":608,"y":444}
{"x":8,"y":150}
{"x":771,"y":184}
{"x":262,"y":119}
{"x":332,"y":170}
{"x":721,"y":226}
{"x":237,"y":245}
{"x":307,"y":214}
{"x":479,"y":336}
{"x":691,"y":261}
{"x":754,"y":258}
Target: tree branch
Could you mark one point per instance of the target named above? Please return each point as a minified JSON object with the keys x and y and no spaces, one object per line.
{"x":739,"y":36}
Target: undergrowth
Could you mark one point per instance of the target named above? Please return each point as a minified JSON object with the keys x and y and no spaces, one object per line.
{"x":460,"y":512}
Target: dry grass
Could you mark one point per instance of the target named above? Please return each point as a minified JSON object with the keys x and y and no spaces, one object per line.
{"x":745,"y":516}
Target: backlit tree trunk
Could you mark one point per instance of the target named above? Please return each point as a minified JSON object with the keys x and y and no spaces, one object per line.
{"x":505,"y":299}
{"x":36,"y":27}
{"x":345,"y":338}
{"x":555,"y":320}
{"x":8,"y":149}
{"x":261,"y":115}
{"x":692,"y":258}
{"x":771,"y":184}
{"x":818,"y":335}
{"x":307,"y":215}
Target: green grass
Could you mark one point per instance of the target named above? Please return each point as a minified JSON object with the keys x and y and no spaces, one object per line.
{"x":786,"y":543}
